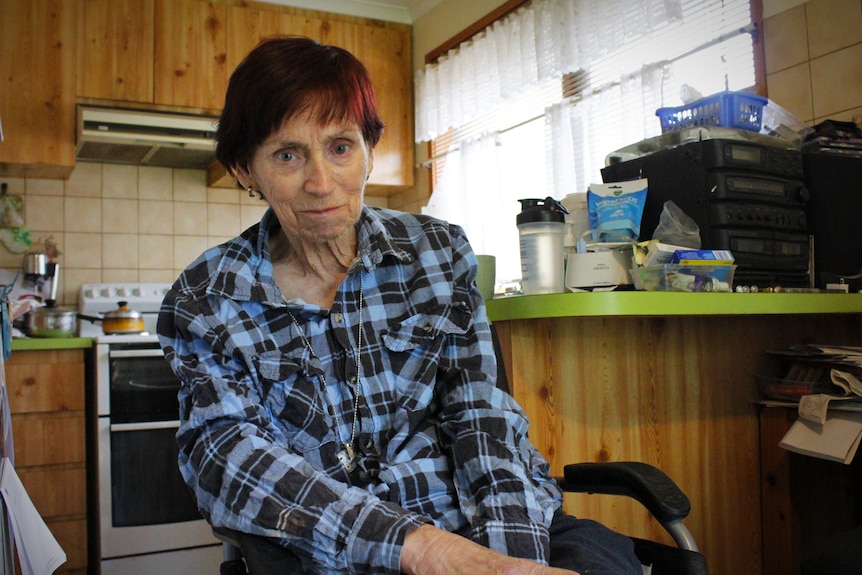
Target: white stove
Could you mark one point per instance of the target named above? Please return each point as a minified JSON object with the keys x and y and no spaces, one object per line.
{"x":97,"y":299}
{"x":148,"y":522}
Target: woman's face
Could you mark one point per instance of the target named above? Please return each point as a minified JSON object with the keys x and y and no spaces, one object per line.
{"x":313,"y":176}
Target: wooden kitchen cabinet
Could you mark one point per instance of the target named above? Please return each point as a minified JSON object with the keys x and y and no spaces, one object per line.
{"x":115,"y":50}
{"x":47,"y":397}
{"x":37,"y":108}
{"x":190,"y":49}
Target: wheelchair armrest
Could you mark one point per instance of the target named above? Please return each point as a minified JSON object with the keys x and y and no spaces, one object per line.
{"x":641,"y":481}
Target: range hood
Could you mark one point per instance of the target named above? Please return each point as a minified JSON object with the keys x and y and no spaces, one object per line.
{"x":146,"y":138}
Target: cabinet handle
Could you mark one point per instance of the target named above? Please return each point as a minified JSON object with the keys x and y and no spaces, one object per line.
{"x":145,"y":426}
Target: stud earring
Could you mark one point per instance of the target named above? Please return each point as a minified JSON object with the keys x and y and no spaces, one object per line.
{"x":250,"y":192}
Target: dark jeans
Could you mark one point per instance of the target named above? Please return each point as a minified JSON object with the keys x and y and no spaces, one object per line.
{"x":577,"y":544}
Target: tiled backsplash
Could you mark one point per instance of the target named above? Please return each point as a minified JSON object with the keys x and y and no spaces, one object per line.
{"x":121,"y":223}
{"x":813,"y":55}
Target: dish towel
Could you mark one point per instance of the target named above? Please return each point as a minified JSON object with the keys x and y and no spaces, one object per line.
{"x":38,"y":551}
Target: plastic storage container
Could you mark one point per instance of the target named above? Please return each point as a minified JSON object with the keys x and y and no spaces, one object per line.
{"x":725,"y":109}
{"x":541,"y":227}
{"x":690,"y":278}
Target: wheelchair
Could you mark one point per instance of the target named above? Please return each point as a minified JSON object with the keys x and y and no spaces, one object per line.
{"x":650,"y":486}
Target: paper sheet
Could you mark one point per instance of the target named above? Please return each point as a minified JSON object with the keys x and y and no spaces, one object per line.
{"x":38,"y":551}
{"x":836,"y":440}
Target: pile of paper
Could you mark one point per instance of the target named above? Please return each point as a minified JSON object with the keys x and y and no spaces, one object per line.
{"x":829,"y":424}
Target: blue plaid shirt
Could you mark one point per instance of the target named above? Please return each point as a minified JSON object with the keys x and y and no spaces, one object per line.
{"x":438,"y":441}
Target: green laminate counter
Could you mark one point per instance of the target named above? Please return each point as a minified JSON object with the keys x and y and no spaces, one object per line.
{"x":655,"y":303}
{"x":48,"y":343}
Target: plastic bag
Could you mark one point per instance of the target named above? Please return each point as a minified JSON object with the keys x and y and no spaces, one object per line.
{"x":677,"y":228}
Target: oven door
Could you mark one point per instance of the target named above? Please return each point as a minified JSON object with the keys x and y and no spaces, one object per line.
{"x":144,"y":504}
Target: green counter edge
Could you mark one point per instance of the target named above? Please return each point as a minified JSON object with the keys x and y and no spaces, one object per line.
{"x":640,"y":303}
{"x":49,"y":343}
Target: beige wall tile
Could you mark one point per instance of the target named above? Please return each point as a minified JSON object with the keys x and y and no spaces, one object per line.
{"x":156,"y":252}
{"x":833,"y":25}
{"x":791,"y":89}
{"x":85,"y":181}
{"x":222,"y":220}
{"x":786,"y":40}
{"x":119,"y":275}
{"x":190,"y":219}
{"x":186,"y":249}
{"x":250,"y":214}
{"x":45,"y":187}
{"x":190,"y":186}
{"x":853,"y":115}
{"x":82,"y":250}
{"x":82,"y":214}
{"x":155,"y":183}
{"x":120,"y":216}
{"x":44,"y":213}
{"x":224,"y":196}
{"x":120,"y":181}
{"x":119,"y":251}
{"x":73,"y":279}
{"x":157,"y":276}
{"x":836,"y":81}
{"x":15,"y":186}
{"x":155,"y":217}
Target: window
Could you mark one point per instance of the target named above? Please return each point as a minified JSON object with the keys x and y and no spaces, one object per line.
{"x":533,"y":104}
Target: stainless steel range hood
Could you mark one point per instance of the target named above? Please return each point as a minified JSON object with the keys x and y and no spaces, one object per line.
{"x":124,"y":136}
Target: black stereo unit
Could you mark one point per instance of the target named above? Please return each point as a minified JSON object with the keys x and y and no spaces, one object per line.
{"x":745,"y":197}
{"x":833,"y":175}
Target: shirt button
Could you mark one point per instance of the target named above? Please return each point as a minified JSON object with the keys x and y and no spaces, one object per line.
{"x":338,"y":318}
{"x":353,"y":379}
{"x":426,"y":328}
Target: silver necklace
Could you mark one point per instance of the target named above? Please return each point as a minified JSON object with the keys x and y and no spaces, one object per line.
{"x":348,"y":455}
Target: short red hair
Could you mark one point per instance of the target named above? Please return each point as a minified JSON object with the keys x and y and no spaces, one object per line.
{"x":287,"y":76}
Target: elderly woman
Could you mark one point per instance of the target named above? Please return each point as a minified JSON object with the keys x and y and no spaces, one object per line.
{"x":338,"y":404}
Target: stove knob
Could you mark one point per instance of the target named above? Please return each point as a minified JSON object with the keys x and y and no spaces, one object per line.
{"x":105,"y":292}
{"x":137,"y":292}
{"x":122,"y":292}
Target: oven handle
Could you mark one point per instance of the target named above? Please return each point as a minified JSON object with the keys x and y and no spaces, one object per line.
{"x":145,"y":426}
{"x":155,"y":352}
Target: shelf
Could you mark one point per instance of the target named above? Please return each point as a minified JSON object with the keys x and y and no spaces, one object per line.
{"x":643,"y":303}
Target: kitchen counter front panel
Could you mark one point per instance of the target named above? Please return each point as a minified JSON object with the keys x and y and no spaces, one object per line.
{"x":676,"y":391}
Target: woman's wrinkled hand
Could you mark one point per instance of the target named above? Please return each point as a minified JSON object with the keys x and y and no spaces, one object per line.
{"x":432,"y":551}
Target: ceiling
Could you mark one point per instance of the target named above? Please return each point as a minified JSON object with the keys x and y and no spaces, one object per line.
{"x":404,"y":11}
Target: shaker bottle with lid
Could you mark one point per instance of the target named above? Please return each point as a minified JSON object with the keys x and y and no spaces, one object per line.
{"x":541,"y":227}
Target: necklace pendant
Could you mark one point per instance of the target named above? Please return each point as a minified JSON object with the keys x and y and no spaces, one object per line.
{"x":347,"y":457}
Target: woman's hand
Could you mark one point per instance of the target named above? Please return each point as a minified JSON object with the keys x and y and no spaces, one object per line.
{"x":432,"y":551}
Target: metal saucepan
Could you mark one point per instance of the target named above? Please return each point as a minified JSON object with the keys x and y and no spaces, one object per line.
{"x":50,"y":321}
{"x":119,"y":321}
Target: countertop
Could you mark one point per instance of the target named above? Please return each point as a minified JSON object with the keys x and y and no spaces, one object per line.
{"x":48,"y":343}
{"x":657,"y":303}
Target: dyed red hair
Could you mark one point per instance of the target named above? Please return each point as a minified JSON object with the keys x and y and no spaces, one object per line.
{"x":288,"y":76}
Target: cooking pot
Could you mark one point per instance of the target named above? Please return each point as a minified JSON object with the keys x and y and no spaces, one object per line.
{"x":121,"y":320}
{"x":50,"y":321}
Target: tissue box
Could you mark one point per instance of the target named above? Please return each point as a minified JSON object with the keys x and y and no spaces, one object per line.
{"x":598,"y":269}
{"x":702,"y":257}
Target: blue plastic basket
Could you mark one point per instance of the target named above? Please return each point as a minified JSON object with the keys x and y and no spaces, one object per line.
{"x":725,"y":109}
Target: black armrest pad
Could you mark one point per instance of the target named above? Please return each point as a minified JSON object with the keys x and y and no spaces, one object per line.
{"x":645,"y":483}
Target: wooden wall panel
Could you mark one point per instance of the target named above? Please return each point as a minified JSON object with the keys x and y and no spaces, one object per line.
{"x":676,"y":392}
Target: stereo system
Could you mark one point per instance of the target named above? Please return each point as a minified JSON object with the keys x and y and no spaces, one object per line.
{"x":746,"y":197}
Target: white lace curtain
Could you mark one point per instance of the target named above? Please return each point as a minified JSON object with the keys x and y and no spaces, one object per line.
{"x":544,"y":40}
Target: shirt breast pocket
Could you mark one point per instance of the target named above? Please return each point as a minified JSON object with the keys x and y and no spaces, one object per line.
{"x":292,"y":398}
{"x":416,"y":346}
